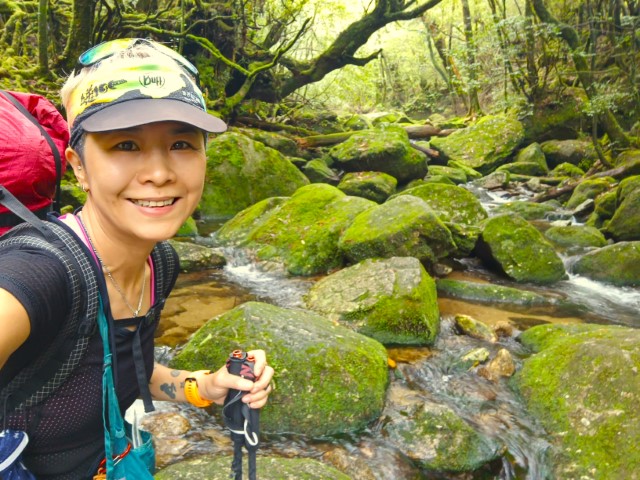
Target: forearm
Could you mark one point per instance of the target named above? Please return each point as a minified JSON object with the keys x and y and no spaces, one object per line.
{"x":168,"y":384}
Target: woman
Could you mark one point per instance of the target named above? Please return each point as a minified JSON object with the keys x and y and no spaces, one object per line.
{"x":137,"y":123}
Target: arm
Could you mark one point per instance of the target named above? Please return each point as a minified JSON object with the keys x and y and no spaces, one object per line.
{"x":168,"y":384}
{"x":14,"y":325}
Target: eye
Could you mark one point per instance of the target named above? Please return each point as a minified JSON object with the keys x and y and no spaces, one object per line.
{"x":182,"y":145}
{"x":127,"y":146}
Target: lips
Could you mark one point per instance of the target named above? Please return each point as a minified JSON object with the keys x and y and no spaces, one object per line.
{"x":154,"y":203}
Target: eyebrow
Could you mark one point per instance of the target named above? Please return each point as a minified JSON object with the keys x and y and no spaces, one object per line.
{"x":180,"y":129}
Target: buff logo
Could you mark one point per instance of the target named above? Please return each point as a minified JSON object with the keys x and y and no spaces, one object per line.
{"x":152,"y":80}
{"x":94,"y":91}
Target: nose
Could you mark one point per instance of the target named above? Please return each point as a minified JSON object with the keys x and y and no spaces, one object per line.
{"x":157,"y":168}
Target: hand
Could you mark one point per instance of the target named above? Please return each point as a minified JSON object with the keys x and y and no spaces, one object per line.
{"x":216,"y":385}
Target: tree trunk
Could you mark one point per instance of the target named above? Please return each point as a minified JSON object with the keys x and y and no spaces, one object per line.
{"x":569,"y":35}
{"x":80,"y":30}
{"x":43,"y":37}
{"x":472,"y":83}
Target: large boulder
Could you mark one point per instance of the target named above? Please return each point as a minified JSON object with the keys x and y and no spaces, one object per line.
{"x":401,"y":227}
{"x":241,"y":172}
{"x":451,"y":203}
{"x":392,"y":300}
{"x":582,"y":384}
{"x":576,"y":152}
{"x":382,"y":150}
{"x":434,"y":436}
{"x":375,"y":186}
{"x":617,"y":264}
{"x":519,"y":250}
{"x":575,"y":238}
{"x":625,"y":223}
{"x":329,"y":379}
{"x":589,"y":190}
{"x":300,"y":232}
{"x":483,"y":146}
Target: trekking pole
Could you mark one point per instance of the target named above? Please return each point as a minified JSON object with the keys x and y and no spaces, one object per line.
{"x":242,"y":421}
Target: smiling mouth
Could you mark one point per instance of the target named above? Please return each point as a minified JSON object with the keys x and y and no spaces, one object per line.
{"x":153,"y":203}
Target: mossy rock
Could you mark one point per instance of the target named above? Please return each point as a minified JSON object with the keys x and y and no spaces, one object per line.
{"x":626,"y":186}
{"x":532,"y":153}
{"x":483,"y":146}
{"x":456,"y":175}
{"x":566,"y":169}
{"x":583,"y":387}
{"x":558,"y":117}
{"x":285,"y":145}
{"x":217,"y":467}
{"x":402,"y":227}
{"x":580,"y":153}
{"x":531,"y":169}
{"x":318,"y":172}
{"x":527,"y":210}
{"x":392,"y":300}
{"x":194,"y":257}
{"x":188,"y":229}
{"x":574,"y":238}
{"x":517,"y":249}
{"x":300,"y":232}
{"x":451,"y":203}
{"x":436,"y":438}
{"x":468,"y":171}
{"x":241,"y":172}
{"x":382,"y":150}
{"x":432,"y":179}
{"x":329,"y":379}
{"x":617,"y":264}
{"x":589,"y":190}
{"x":606,"y":203}
{"x":489,"y":293}
{"x":374,"y":186}
{"x":625,"y":223}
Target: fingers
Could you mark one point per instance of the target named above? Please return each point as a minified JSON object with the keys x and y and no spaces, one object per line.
{"x":259,"y":398}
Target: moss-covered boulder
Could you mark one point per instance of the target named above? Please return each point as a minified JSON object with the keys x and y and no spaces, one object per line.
{"x":530,"y":169}
{"x":625,"y":223}
{"x":532,"y":153}
{"x":392,"y":300}
{"x":488,"y":293}
{"x":285,"y":145}
{"x":589,"y":190}
{"x":319,"y":172}
{"x":241,"y":172}
{"x":617,"y":264}
{"x":575,"y":238}
{"x":451,"y":203}
{"x":402,"y":227}
{"x":576,"y":152}
{"x":217,"y":467}
{"x":566,"y":169}
{"x":301,"y":232}
{"x":527,"y":210}
{"x":329,"y":379}
{"x":559,"y":116}
{"x":374,"y":186}
{"x":434,"y":436}
{"x":517,"y":249}
{"x":196,"y":257}
{"x":605,"y":204}
{"x":189,"y":229}
{"x":381,"y":150}
{"x":582,"y":384}
{"x":456,"y":175}
{"x":483,"y":146}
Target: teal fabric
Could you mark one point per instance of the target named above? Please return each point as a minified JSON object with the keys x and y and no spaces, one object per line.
{"x":139,"y":463}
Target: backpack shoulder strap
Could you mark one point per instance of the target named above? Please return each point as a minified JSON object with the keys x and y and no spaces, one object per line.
{"x":167,"y":267}
{"x":54,"y":364}
{"x":47,"y":137}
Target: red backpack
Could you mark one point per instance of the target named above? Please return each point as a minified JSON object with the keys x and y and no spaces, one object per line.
{"x":33,"y":138}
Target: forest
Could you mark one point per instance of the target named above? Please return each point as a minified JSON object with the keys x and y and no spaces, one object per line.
{"x":268,"y":60}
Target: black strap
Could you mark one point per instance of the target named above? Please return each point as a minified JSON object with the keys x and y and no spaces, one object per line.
{"x":47,"y":137}
{"x":17,"y":207}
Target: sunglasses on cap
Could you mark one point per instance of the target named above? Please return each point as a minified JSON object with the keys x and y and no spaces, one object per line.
{"x":109,"y":48}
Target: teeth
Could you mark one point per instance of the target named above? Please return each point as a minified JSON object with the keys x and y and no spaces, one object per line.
{"x":151,"y":203}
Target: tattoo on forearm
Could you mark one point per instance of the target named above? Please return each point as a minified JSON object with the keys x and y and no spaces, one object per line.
{"x":169,"y":389}
{"x":176,"y":373}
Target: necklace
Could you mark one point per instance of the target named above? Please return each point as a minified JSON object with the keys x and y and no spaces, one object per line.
{"x":136,"y":311}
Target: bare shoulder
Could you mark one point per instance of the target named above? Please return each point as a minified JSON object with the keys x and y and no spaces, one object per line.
{"x":14,"y":325}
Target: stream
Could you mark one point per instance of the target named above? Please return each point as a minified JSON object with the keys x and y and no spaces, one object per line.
{"x":425,"y":373}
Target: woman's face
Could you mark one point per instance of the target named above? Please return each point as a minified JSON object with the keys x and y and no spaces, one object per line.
{"x":144,"y":181}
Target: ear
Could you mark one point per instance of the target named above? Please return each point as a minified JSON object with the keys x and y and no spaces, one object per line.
{"x":76,"y":163}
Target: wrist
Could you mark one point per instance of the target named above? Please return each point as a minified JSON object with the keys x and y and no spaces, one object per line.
{"x":192,"y":388}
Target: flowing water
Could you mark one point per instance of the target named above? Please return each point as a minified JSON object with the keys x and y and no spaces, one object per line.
{"x":429,"y":373}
